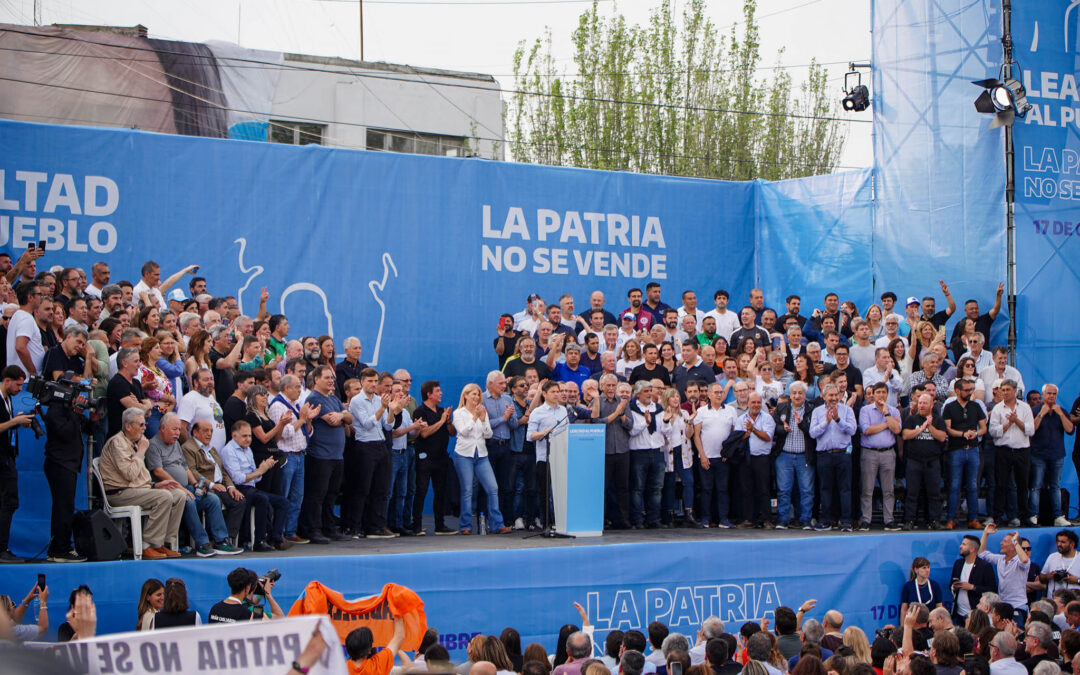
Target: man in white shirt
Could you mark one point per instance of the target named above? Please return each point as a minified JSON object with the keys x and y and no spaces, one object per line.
{"x":1000,"y":370}
{"x":1012,"y":426}
{"x":1002,"y":648}
{"x":882,"y":371}
{"x":711,"y":627}
{"x":727,"y":322}
{"x":24,"y":347}
{"x":1061,"y":570}
{"x":689,"y":306}
{"x":150,"y":288}
{"x":100,"y":273}
{"x":982,"y":358}
{"x":200,"y":404}
{"x":892,"y":331}
{"x":712,"y":427}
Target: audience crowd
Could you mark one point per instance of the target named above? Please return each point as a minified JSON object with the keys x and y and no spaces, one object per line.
{"x":231,"y":433}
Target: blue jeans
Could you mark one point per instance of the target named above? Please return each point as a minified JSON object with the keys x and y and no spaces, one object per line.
{"x":479,"y":468}
{"x":153,"y":423}
{"x":964,"y":463}
{"x":399,"y":475}
{"x":410,"y":488}
{"x":646,"y":483}
{"x":835,"y":470}
{"x":686,"y":475}
{"x":789,"y":468}
{"x":209,"y":505}
{"x":292,"y":489}
{"x":1045,"y":473}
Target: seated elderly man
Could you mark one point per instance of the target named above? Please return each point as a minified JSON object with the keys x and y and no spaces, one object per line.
{"x":127,"y":482}
{"x":166,"y":461}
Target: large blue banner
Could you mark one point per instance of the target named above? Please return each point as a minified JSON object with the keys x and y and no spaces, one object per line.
{"x":623,"y":586}
{"x":1046,"y":36}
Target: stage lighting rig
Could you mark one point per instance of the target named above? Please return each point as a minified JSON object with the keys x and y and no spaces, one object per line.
{"x":1004,"y":99}
{"x":857,"y":95}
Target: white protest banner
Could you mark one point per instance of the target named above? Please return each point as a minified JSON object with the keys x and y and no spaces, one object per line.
{"x":255,"y":647}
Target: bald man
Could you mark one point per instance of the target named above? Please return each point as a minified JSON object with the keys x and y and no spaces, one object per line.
{"x":834,"y":630}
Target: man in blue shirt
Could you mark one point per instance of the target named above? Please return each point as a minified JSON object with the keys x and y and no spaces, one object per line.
{"x":372,"y":416}
{"x":325,"y":459}
{"x":1048,"y":453}
{"x":879,"y":423}
{"x":503,"y":420}
{"x":240,"y":465}
{"x":571,"y":370}
{"x":832,"y":426}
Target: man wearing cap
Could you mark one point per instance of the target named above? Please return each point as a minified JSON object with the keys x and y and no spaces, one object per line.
{"x":929,"y":304}
{"x":528,"y":319}
{"x":177,"y":298}
{"x":911,"y":316}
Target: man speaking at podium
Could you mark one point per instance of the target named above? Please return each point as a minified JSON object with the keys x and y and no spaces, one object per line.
{"x":547,"y":419}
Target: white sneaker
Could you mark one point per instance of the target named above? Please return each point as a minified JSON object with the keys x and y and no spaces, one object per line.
{"x":1061,"y":521}
{"x":519,"y":524}
{"x":1031,"y":520}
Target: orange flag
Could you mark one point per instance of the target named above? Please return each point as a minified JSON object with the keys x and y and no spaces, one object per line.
{"x":377,"y":612}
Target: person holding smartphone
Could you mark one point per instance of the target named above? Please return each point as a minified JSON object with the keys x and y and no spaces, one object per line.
{"x":16,"y":613}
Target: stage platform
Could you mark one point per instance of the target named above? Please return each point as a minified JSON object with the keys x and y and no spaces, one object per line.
{"x":626,"y":579}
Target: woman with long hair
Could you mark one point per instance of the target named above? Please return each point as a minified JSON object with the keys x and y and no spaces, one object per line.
{"x":536,"y":653}
{"x":667,"y":356}
{"x":922,"y":338}
{"x":264,"y":434}
{"x":155,"y":383}
{"x":966,"y":370}
{"x":151,"y":600}
{"x":901,"y":361}
{"x":511,"y":640}
{"x":875,"y":320}
{"x":804,"y":372}
{"x":629,"y":358}
{"x":326,"y":353}
{"x":855,"y":638}
{"x":920,"y":587}
{"x":198,"y":352}
{"x":148,"y":320}
{"x":175,"y":610}
{"x":493,"y":651}
{"x":171,"y":362}
{"x":560,"y":656}
{"x":471,"y":459}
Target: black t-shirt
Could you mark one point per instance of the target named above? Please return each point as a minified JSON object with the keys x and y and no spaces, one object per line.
{"x":233,"y":410}
{"x":518,"y":367}
{"x":56,"y":359}
{"x":1075,"y":410}
{"x":227,"y":612}
{"x":434,"y":446}
{"x":174,"y":619}
{"x":923,"y":446}
{"x":224,"y":385}
{"x":63,"y":436}
{"x":854,"y":377}
{"x":258,"y":447}
{"x":982,"y":325}
{"x":509,"y":346}
{"x":118,"y":389}
{"x":642,"y":372}
{"x":939,"y":319}
{"x":963,"y":418}
{"x":758,"y":335}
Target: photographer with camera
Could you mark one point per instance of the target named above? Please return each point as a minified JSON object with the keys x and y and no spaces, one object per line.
{"x":11,"y":383}
{"x":1060,"y":571}
{"x":247,"y":591}
{"x":65,"y":425}
{"x":72,"y":354}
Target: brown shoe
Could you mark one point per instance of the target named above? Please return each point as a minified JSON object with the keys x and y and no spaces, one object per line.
{"x":974,"y":525}
{"x":151,"y":553}
{"x":745,"y":525}
{"x":950,"y":525}
{"x":168,"y":552}
{"x":506,"y":529}
{"x":297,"y":539}
{"x":466,"y":531}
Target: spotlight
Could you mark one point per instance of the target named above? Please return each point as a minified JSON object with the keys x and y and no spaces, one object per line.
{"x":1005,"y":100}
{"x":858,"y":96}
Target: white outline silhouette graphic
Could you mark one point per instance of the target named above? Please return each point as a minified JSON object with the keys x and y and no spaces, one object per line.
{"x":374,"y":286}
{"x":1068,"y":10}
{"x":388,"y":264}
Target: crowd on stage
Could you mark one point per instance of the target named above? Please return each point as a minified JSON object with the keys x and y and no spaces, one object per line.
{"x":1003,"y":614}
{"x":233,"y":434}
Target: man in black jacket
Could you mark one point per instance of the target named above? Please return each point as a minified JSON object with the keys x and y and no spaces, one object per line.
{"x":794,"y":449}
{"x":64,"y":428}
{"x":971,"y":577}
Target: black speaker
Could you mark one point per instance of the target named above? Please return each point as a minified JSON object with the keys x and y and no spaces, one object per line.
{"x":96,"y":536}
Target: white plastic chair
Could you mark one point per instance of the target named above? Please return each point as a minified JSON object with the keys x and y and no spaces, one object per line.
{"x":134,"y":513}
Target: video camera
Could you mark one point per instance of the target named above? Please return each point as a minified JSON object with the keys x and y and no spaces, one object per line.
{"x":66,"y":390}
{"x":258,"y":594}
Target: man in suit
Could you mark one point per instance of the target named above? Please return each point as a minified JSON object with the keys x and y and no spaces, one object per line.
{"x":971,"y":577}
{"x":11,"y":383}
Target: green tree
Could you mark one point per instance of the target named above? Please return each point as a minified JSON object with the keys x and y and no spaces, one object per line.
{"x":670,"y":98}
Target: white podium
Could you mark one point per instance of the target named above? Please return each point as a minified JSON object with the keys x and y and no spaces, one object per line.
{"x":576,"y":458}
